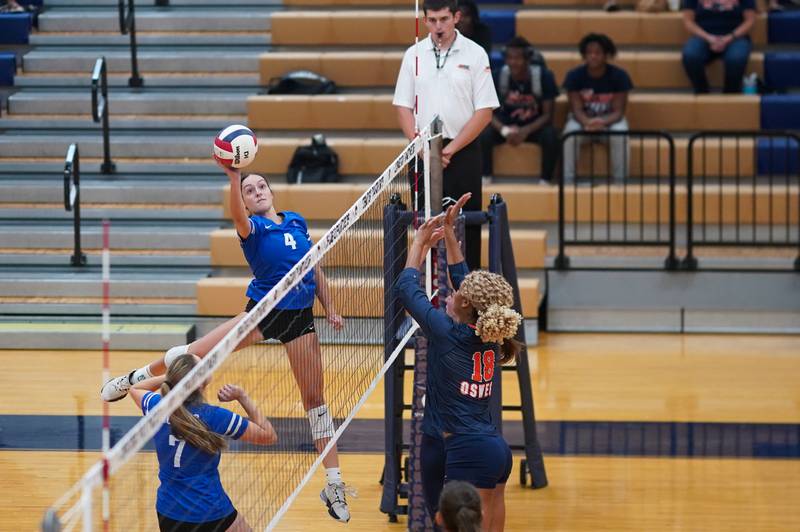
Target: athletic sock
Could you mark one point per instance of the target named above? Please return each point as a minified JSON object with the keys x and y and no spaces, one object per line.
{"x":333,"y":474}
{"x":140,"y":374}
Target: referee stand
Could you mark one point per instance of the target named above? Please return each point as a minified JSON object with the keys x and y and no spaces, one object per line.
{"x":401,"y":475}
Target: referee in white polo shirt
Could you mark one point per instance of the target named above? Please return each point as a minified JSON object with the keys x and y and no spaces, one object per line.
{"x":454,"y":82}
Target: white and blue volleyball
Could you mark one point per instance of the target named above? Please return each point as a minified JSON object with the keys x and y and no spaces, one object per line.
{"x":235,"y":146}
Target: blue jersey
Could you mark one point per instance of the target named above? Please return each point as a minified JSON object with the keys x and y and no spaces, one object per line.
{"x":190,"y":489}
{"x":460,"y":364}
{"x":272,"y":250}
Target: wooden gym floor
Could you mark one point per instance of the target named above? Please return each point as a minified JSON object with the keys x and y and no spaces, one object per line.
{"x":731,"y":405}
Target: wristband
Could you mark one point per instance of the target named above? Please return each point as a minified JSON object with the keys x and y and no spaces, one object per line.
{"x":505,"y":131}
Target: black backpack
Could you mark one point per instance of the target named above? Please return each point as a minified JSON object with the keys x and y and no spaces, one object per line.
{"x":301,"y":82}
{"x":315,"y":163}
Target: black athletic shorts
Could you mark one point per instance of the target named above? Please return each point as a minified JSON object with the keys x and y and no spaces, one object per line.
{"x":165,"y":524}
{"x":285,"y":325}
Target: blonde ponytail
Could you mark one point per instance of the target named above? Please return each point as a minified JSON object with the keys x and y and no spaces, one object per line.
{"x":492,"y":298}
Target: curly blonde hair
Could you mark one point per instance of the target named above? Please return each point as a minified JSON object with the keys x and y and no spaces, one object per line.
{"x":492,"y":298}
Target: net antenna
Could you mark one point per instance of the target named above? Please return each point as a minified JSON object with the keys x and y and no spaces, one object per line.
{"x":263,"y":482}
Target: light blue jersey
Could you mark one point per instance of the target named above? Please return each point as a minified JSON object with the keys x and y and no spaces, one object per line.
{"x":272,"y":250}
{"x":190,"y":489}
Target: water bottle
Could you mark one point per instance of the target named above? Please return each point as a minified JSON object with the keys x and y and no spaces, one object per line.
{"x":750,"y":85}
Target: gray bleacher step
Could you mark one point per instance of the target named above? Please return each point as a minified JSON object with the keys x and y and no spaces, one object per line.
{"x":69,"y":334}
{"x":118,"y":258}
{"x":128,"y":191}
{"x":208,"y":102}
{"x":120,"y":310}
{"x":149,"y":282}
{"x":81,"y":122}
{"x":197,"y":19}
{"x":39,"y":235}
{"x":172,"y":3}
{"x":199,"y":172}
{"x":120,"y":212}
{"x":151,"y":80}
{"x":143,"y":146}
{"x":118,"y":61}
{"x":144,"y":40}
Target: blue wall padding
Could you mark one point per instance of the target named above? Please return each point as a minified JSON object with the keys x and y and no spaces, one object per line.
{"x":504,"y":2}
{"x":14,"y":28}
{"x":780,"y":155}
{"x":783,"y":27}
{"x":31,"y":2}
{"x":8,"y":66}
{"x":782,"y":69}
{"x":780,"y":111}
{"x":496,"y":60}
{"x":502,"y":23}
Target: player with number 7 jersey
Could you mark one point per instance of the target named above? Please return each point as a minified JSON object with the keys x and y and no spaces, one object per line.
{"x":466,"y":342}
{"x":273,"y":242}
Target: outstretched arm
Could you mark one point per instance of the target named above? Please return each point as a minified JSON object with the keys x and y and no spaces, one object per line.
{"x":325,"y":299}
{"x":141,"y":388}
{"x":238,"y":212}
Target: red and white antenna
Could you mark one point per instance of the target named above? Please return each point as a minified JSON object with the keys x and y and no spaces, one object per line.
{"x":106,"y":336}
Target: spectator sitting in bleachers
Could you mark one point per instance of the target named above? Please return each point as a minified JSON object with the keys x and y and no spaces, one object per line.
{"x":471,"y":27}
{"x":598,"y":94}
{"x":11,"y":6}
{"x":527,"y":92}
{"x":718,"y":28}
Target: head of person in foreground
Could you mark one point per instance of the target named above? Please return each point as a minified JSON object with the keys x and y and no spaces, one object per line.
{"x":459,"y":508}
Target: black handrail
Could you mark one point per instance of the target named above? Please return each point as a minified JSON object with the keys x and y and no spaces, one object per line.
{"x":607,"y":225}
{"x":768,"y":160}
{"x":72,"y":200}
{"x":100,"y":110}
{"x":127,"y":26}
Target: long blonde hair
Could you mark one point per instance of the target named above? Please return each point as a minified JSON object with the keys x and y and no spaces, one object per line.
{"x":182,"y":422}
{"x":492,"y":298}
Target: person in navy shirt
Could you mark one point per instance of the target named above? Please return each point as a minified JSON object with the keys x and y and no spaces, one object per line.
{"x":598,"y":94}
{"x":190,"y":496}
{"x":718,"y":29}
{"x":467,"y":343}
{"x":272,"y":242}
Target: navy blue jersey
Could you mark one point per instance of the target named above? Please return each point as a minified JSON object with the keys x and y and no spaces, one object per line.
{"x":271,"y":251}
{"x":460,"y":364}
{"x":190,"y":489}
{"x":719,"y":17}
{"x":597,"y":93}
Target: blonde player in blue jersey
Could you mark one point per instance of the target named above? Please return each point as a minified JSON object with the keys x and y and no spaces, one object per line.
{"x":190,"y":497}
{"x":273,"y":242}
{"x":467,"y":341}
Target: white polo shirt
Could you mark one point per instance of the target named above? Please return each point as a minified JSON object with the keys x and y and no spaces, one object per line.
{"x":462,"y":84}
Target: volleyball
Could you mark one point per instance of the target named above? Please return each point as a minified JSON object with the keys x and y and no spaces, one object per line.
{"x":235,"y":146}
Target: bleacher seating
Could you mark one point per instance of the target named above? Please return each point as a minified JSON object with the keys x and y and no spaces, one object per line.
{"x":15,"y":28}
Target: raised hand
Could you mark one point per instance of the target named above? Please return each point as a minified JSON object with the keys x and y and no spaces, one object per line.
{"x":230,"y":392}
{"x":429,"y":233}
{"x":232,"y":173}
{"x":454,"y":210}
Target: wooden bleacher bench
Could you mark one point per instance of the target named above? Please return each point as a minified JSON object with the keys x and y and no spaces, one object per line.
{"x":530,"y":249}
{"x":648,"y":69}
{"x":673,"y":112}
{"x":541,"y":27}
{"x":225,"y":296}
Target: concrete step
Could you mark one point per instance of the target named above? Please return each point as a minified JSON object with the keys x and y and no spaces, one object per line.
{"x":172,"y":3}
{"x":200,"y":172}
{"x":42,"y":235}
{"x":151,"y":80}
{"x":659,"y":301}
{"x":124,"y":146}
{"x":118,"y":61}
{"x":30,"y":122}
{"x":170,"y":190}
{"x":180,"y":19}
{"x":120,"y":308}
{"x":125,"y":282}
{"x":71,"y":334}
{"x":62,"y":255}
{"x":145,"y":39}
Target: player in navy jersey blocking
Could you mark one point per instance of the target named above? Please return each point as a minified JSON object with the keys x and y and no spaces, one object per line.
{"x":273,"y":242}
{"x":466,"y":341}
{"x":191,"y":497}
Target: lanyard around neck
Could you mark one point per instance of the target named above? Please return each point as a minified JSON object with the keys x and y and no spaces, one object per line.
{"x":437,"y":53}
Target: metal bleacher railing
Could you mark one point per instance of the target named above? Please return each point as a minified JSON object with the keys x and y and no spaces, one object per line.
{"x":127,"y":26}
{"x":72,"y":200}
{"x":100,"y":110}
{"x":747,"y":195}
{"x":624,"y":210}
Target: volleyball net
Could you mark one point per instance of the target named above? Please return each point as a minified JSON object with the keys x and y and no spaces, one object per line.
{"x":262,"y":482}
